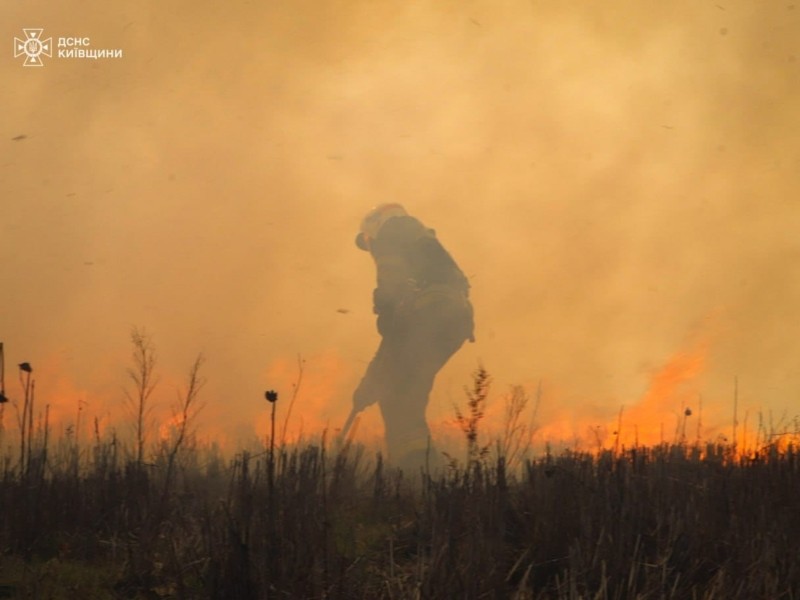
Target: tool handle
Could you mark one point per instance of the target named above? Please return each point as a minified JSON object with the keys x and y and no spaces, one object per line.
{"x":347,"y":424}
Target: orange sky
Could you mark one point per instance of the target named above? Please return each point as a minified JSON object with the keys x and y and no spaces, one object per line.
{"x":617,"y":179}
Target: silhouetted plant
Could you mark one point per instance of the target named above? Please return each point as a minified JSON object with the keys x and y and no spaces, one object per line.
{"x":144,"y":379}
{"x":469,"y":422}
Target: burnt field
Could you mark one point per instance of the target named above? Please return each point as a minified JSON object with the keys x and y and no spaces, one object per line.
{"x":326,"y":521}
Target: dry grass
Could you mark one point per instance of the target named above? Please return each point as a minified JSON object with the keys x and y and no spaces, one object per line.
{"x":646,"y":523}
{"x":315,"y":521}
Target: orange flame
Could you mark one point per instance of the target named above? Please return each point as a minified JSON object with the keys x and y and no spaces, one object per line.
{"x":170,"y":427}
{"x":312,"y":398}
{"x":665,"y":413}
{"x":668,"y":411}
{"x":666,"y":403}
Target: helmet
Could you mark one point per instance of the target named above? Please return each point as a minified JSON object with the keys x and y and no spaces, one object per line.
{"x":374,"y":220}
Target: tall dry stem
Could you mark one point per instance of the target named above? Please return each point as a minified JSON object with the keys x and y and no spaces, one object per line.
{"x":476,"y":406}
{"x":186,"y":411}
{"x":142,"y":374}
{"x":295,"y":391}
{"x":22,"y":419}
{"x":516,"y":433}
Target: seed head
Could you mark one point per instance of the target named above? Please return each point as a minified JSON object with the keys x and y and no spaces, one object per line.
{"x":271,"y":396}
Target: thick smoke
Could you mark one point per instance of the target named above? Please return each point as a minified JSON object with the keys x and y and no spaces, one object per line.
{"x":618,"y":180}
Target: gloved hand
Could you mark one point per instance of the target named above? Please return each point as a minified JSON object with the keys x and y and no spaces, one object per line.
{"x":363,"y":396}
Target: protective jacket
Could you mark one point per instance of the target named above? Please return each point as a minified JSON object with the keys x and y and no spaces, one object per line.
{"x":415,"y":275}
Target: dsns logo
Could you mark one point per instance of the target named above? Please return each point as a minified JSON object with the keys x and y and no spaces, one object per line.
{"x":32,"y":47}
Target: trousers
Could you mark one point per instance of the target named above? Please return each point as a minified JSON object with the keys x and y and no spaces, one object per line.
{"x":401,"y":375}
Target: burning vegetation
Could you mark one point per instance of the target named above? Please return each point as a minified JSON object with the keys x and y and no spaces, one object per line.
{"x":606,"y":183}
{"x":629,"y":513}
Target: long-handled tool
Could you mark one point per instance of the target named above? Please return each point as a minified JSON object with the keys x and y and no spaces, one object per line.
{"x":368,"y":390}
{"x":349,"y":423}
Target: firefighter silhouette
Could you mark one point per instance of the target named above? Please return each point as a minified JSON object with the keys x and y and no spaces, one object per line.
{"x":423,"y":317}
